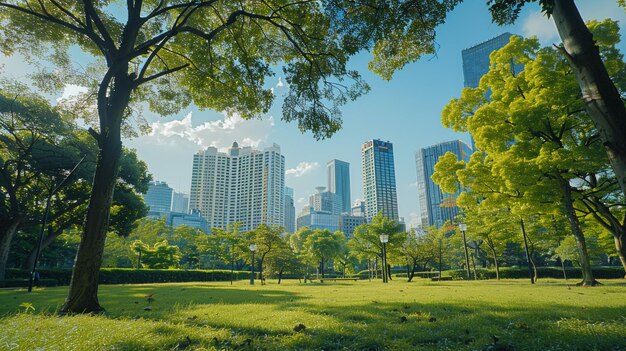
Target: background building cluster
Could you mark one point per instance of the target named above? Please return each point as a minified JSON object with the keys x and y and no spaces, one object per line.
{"x":247,"y":186}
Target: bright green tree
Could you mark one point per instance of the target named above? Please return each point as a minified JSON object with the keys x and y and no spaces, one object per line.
{"x":323,"y":245}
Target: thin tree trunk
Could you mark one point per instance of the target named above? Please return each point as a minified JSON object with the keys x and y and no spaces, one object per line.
{"x":495,"y":262}
{"x":280,"y":276}
{"x":322,"y":267}
{"x":602,"y":99}
{"x":30,"y":260}
{"x":412,"y":273}
{"x":7,"y":233}
{"x":620,"y":246}
{"x":528,"y":258}
{"x":579,"y":237}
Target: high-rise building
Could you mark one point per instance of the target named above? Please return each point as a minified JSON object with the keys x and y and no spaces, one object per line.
{"x":339,"y":182}
{"x":243,"y":186}
{"x":158,"y":198}
{"x":290,"y":211}
{"x":437,"y":208}
{"x":476,"y":59}
{"x":313,"y":219}
{"x":180,"y":203}
{"x":379,"y":179}
{"x":325,"y":201}
{"x":347,"y":224}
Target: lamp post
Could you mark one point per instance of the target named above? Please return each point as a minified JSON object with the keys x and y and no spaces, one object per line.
{"x":253,"y":250}
{"x":33,"y":270}
{"x":384,"y":239}
{"x":463,"y":228}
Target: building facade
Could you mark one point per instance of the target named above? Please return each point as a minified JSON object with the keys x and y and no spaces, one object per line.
{"x":358,"y":208}
{"x":290,"y":211}
{"x":339,"y":183}
{"x":347,"y":224}
{"x":180,"y":202}
{"x":243,"y":186}
{"x":325,"y":201}
{"x":379,"y":179}
{"x":158,"y":198}
{"x":313,"y":219}
{"x":436,"y":207}
{"x":476,"y":59}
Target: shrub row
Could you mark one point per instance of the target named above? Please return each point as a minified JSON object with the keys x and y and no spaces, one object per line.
{"x":133,"y":276}
{"x":542,"y":272}
{"x":23,"y":283}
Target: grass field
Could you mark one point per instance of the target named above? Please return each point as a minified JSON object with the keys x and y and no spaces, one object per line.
{"x":362,"y":315}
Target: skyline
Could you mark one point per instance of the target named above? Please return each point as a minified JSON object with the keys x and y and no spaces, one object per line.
{"x":404,"y":111}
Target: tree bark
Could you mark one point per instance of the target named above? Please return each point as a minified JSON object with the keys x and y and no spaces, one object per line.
{"x":528,"y":258}
{"x":495,"y":262}
{"x":7,"y":232}
{"x":602,"y":99}
{"x":585,"y":264}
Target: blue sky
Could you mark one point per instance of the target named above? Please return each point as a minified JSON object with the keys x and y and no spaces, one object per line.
{"x":405,"y":111}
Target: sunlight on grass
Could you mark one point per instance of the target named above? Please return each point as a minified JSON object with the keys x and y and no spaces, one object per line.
{"x":361,"y":315}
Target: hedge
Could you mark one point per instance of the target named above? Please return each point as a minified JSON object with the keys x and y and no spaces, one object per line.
{"x":23,"y":283}
{"x":542,"y":272}
{"x":133,"y":276}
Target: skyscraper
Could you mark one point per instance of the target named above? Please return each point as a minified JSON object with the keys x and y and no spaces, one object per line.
{"x":476,"y":59}
{"x":158,"y":198}
{"x":379,"y":179}
{"x":243,"y":185}
{"x":180,"y":203}
{"x":290,"y":211}
{"x":325,"y":201}
{"x":339,"y":182}
{"x":431,"y":198}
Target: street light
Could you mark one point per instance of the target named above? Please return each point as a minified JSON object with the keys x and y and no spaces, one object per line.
{"x":384,"y":238}
{"x":253,"y":249}
{"x":463,"y":228}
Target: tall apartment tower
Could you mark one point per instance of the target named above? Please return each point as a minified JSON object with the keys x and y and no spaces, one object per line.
{"x":243,"y":186}
{"x":290,"y":211}
{"x":325,"y":201}
{"x":379,"y":179}
{"x":339,"y":182}
{"x":180,"y":202}
{"x":437,"y":208}
{"x":158,"y":198}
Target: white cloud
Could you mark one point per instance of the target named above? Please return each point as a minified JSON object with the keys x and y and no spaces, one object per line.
{"x":219,"y":133}
{"x":415,"y":220}
{"x":70,"y":91}
{"x":301,"y":201}
{"x":537,"y":24}
{"x":280,"y":83}
{"x":302,"y":168}
{"x":413,"y":184}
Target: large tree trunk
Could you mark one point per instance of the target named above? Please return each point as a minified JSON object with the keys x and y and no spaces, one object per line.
{"x":602,"y":99}
{"x":83,"y":291}
{"x":585,"y":263}
{"x":7,"y":232}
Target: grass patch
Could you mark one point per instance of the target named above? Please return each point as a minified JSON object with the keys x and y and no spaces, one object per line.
{"x":456,"y":315}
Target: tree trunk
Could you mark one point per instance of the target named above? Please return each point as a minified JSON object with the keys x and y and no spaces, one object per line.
{"x":495,"y":262}
{"x":280,"y":276}
{"x":30,"y":260}
{"x":322,"y":267}
{"x":7,"y":232}
{"x":389,"y":272}
{"x":83,"y":291}
{"x":602,"y":99}
{"x":620,"y":246}
{"x":585,"y":264}
{"x":528,"y":258}
{"x":412,"y":272}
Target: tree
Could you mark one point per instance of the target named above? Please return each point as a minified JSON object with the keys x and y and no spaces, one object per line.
{"x":216,"y":54}
{"x":160,"y":256}
{"x":282,"y":260}
{"x":536,"y":136}
{"x":267,"y":239}
{"x":31,"y":132}
{"x":322,"y":246}
{"x":601,"y":95}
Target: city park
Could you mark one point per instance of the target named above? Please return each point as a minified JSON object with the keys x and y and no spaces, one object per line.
{"x":536,"y":261}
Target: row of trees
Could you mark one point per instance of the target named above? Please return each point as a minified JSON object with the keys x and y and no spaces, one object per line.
{"x":541,"y":160}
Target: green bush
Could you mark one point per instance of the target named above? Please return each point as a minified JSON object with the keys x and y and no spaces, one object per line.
{"x":542,"y":272}
{"x":23,"y":283}
{"x":134,"y":276}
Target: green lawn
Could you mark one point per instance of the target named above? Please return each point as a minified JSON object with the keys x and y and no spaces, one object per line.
{"x":360,"y":315}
